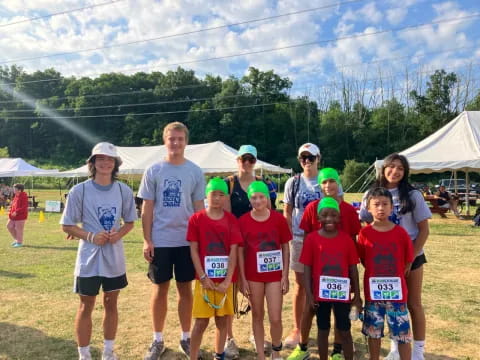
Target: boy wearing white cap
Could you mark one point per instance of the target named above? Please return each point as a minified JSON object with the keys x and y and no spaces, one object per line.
{"x":99,"y":203}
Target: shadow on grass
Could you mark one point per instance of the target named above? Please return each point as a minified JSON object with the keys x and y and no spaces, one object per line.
{"x":15,"y":275}
{"x":61,"y":248}
{"x":22,"y":342}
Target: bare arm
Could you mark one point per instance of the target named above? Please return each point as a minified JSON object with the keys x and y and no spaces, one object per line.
{"x":228,"y":205}
{"x":147,"y":221}
{"x":286,"y":266}
{"x":74,"y":231}
{"x":206,"y":282}
{"x":232,"y":264}
{"x":287,"y":212}
{"x":307,"y":281}
{"x":355,"y":283}
{"x":241,"y":267}
{"x":198,"y":205}
{"x":422,"y":236}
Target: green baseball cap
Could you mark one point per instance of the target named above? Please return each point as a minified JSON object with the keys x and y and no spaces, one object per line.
{"x":328,"y":173}
{"x":257,"y":187}
{"x":216,"y":184}
{"x":328,"y":202}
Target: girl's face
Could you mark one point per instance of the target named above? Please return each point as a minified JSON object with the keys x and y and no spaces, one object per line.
{"x":16,"y":191}
{"x":104,"y":164}
{"x":216,"y":199}
{"x":380,"y":207}
{"x":394,"y":172}
{"x":246,"y":163}
{"x":329,"y":187}
{"x":329,"y":218}
{"x":308,"y":161}
{"x":259,"y":201}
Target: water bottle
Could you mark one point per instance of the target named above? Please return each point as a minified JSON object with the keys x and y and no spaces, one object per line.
{"x":353,"y":316}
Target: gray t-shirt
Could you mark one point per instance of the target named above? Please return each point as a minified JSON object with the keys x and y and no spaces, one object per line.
{"x":173,"y":188}
{"x":409,"y":220}
{"x":308,"y":191}
{"x":99,"y":208}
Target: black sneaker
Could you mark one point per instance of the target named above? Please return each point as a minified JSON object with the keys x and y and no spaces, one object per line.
{"x":184,"y":347}
{"x":155,"y":351}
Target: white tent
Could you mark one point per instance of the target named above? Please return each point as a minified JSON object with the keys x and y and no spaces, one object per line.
{"x":214,"y":158}
{"x":454,"y":147}
{"x":14,"y":167}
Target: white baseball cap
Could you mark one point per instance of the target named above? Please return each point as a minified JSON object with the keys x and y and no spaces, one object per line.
{"x":105,"y":148}
{"x":310,"y":148}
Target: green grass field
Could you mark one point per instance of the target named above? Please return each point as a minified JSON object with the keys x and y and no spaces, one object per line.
{"x":37,"y":306}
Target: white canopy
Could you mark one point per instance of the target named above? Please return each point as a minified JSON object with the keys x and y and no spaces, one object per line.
{"x":454,"y":147}
{"x":214,"y":158}
{"x":14,"y":167}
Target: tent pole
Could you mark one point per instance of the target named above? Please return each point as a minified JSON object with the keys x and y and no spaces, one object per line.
{"x":467,"y":192}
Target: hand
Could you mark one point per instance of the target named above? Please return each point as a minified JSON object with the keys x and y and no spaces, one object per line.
{"x":357,"y":301}
{"x":408,"y":267}
{"x":14,"y":213}
{"x":100,"y":238}
{"x":208,"y":284}
{"x":245,"y":289}
{"x":223,"y":287}
{"x":285,"y":284}
{"x":310,"y":303}
{"x":148,"y":251}
{"x":113,"y":236}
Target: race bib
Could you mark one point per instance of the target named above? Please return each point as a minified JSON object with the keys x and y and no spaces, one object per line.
{"x":334,"y":288}
{"x":216,"y":266}
{"x":385,"y":288}
{"x":268,"y":261}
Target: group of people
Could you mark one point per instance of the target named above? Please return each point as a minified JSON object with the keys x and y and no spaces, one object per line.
{"x":240,"y":243}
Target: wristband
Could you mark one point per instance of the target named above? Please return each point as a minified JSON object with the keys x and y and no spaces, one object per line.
{"x":93,"y":237}
{"x":88,"y":236}
{"x":204,"y":276}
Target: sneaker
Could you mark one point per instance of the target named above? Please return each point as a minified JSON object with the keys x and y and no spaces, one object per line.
{"x":85,"y":357}
{"x":293,"y":339}
{"x":231,"y":349}
{"x":298,"y":354}
{"x":392,"y":355}
{"x":17,"y":245}
{"x":156,"y":349}
{"x":337,"y":356}
{"x":13,"y":243}
{"x":109,"y":355}
{"x":185,"y":347}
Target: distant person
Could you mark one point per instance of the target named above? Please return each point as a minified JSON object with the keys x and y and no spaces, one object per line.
{"x":172,"y":190}
{"x":100,"y":204}
{"x":426,"y":191}
{"x":384,"y":284}
{"x":17,"y":215}
{"x":214,"y":236}
{"x":447,"y":201}
{"x":272,"y":188}
{"x":412,"y":213}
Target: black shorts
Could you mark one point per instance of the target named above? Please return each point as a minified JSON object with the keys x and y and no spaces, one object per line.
{"x":166,"y":260}
{"x":340,"y":311}
{"x":419,"y":261}
{"x":90,"y":286}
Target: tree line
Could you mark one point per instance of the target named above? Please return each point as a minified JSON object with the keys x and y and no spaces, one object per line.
{"x":351,"y":119}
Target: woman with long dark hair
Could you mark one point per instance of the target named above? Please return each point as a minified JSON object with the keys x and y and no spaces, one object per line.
{"x":412,"y":213}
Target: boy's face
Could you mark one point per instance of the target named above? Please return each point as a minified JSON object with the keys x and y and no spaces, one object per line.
{"x":329,"y":187}
{"x":380,"y":207}
{"x":258,"y":201}
{"x":329,"y":218}
{"x":216,"y":199}
{"x":175,"y":142}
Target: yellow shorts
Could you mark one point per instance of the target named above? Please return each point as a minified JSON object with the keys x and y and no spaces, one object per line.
{"x":201,"y":309}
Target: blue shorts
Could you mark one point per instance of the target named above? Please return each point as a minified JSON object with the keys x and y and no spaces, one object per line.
{"x":397,"y":319}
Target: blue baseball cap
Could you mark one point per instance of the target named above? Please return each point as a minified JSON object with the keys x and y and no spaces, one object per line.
{"x":247,"y":149}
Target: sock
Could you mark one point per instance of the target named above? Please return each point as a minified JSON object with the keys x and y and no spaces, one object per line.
{"x":393,"y":346}
{"x":418,"y":349}
{"x":337,"y":348}
{"x":84,"y":350}
{"x":303,"y":347}
{"x":108,"y":345}
{"x":157,"y":336}
{"x":185,"y":335}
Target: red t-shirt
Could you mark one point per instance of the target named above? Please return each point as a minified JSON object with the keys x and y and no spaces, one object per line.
{"x":349,"y":222}
{"x":263,"y":236}
{"x":214,"y":237}
{"x":384,"y":254}
{"x":20,"y":205}
{"x":328,"y":257}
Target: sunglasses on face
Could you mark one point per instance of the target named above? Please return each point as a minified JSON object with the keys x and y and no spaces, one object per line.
{"x":248,"y":158}
{"x":304,"y":158}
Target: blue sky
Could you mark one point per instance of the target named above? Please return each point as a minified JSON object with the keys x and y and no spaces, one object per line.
{"x":313,"y":69}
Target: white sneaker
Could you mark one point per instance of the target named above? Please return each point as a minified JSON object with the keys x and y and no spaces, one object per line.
{"x":231,"y":349}
{"x":109,"y":355}
{"x":85,"y":357}
{"x":392,"y":355}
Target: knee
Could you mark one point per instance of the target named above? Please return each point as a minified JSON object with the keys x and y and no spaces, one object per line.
{"x":276,"y":323}
{"x":110,"y":303}
{"x":201,"y":324}
{"x":85,"y":308}
{"x":258,"y":315}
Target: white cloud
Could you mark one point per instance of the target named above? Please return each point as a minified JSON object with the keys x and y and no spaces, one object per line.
{"x":396,"y":15}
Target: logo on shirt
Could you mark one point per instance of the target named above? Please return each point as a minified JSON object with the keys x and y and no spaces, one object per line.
{"x":106,"y":216}
{"x":266,"y":241}
{"x":384,"y":261}
{"x":172,"y":195}
{"x":215,"y":244}
{"x":307,"y":197}
{"x":332,"y":263}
